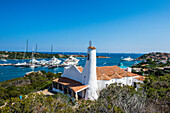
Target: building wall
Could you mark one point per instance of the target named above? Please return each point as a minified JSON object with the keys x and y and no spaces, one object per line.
{"x":124,"y":81}
{"x":89,"y":74}
{"x":72,"y":73}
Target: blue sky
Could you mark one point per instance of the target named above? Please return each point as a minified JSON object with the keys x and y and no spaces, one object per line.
{"x":113,"y":25}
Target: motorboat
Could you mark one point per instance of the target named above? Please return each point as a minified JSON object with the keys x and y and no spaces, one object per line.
{"x":20,"y":64}
{"x":33,"y":66}
{"x":4,"y":60}
{"x":34,"y":61}
{"x":52,"y":67}
{"x":54,"y":61}
{"x":135,"y":63}
{"x":70,"y":61}
{"x":127,"y":59}
{"x":43,"y":62}
{"x":122,"y":66}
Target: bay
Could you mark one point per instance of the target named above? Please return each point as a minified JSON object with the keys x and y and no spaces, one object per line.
{"x":10,"y":72}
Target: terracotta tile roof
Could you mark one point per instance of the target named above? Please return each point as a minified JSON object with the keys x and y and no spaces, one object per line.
{"x":140,"y":78}
{"x":92,"y":47}
{"x":80,"y":69}
{"x":110,"y":72}
{"x":72,"y":84}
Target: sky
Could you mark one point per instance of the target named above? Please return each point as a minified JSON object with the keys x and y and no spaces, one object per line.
{"x":117,"y":26}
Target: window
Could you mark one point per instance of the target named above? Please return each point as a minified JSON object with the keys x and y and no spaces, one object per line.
{"x":106,"y":85}
{"x":129,"y":81}
{"x":88,"y":56}
{"x":135,"y":84}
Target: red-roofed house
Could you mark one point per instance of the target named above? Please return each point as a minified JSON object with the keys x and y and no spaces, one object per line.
{"x":87,"y":82}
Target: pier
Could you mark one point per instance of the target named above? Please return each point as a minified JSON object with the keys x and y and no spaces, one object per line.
{"x":9,"y":64}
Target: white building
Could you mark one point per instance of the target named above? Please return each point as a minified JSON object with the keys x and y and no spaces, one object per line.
{"x":88,"y":82}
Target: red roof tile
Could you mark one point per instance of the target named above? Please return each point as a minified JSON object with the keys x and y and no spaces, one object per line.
{"x":140,"y":78}
{"x":80,"y":69}
{"x":92,"y":47}
{"x":110,"y":72}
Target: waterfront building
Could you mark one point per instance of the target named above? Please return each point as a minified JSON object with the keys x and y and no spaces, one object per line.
{"x":87,"y":82}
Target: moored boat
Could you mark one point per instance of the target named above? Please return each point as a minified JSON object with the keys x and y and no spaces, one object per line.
{"x":127,"y":59}
{"x":4,"y":60}
{"x":70,"y":61}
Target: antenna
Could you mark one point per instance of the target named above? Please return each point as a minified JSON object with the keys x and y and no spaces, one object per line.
{"x":90,"y":43}
{"x":51,"y":49}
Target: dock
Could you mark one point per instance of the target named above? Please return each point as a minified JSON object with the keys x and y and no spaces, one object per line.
{"x":6,"y":64}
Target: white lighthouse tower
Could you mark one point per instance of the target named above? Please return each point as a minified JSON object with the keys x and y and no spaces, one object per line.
{"x":89,"y":74}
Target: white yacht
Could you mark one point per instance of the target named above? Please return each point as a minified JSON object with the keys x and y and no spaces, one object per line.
{"x":20,"y":64}
{"x":70,"y":61}
{"x":54,"y":61}
{"x":43,"y":62}
{"x":33,"y":61}
{"x":127,"y":59}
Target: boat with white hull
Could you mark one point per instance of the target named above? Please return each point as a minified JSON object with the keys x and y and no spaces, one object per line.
{"x":20,"y":64}
{"x":4,"y":60}
{"x":70,"y":61}
{"x":127,"y":59}
{"x":54,"y":61}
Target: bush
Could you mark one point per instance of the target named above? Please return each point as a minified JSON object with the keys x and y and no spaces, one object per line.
{"x":1,"y":102}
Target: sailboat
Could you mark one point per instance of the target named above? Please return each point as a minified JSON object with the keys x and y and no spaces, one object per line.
{"x":33,"y":62}
{"x":16,"y":57}
{"x":23,"y":64}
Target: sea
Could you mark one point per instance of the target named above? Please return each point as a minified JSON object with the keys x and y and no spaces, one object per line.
{"x":11,"y":72}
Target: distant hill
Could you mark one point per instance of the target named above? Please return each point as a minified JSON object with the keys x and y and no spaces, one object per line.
{"x":156,"y":56}
{"x":28,"y":55}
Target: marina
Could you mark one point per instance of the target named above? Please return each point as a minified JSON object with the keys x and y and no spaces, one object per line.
{"x":13,"y":69}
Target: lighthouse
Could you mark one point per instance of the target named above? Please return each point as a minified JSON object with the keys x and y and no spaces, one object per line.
{"x":89,"y":74}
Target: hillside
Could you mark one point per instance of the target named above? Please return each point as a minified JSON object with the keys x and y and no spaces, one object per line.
{"x":153,"y":96}
{"x":32,"y":82}
{"x":156,"y":56}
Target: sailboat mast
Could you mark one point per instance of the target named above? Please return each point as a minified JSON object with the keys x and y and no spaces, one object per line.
{"x":32,"y":53}
{"x":27,"y":46}
{"x":51,"y":49}
{"x":36,"y":48}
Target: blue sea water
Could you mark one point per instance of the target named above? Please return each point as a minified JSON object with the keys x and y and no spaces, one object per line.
{"x":10,"y":72}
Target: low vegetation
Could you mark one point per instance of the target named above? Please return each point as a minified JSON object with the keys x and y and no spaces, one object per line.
{"x":22,"y":86}
{"x":153,"y":96}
